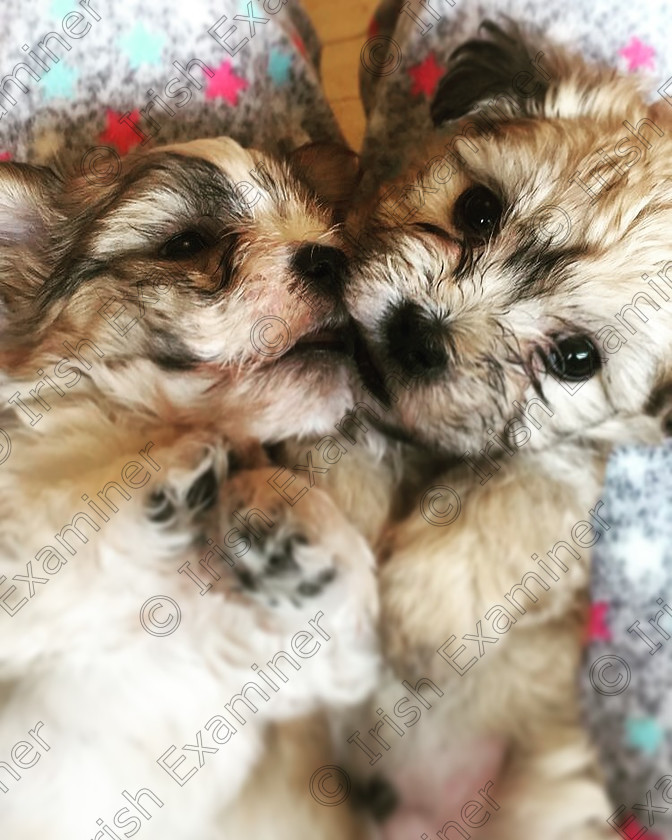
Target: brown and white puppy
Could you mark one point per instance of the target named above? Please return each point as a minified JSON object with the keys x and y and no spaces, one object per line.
{"x":155,"y":331}
{"x":205,"y":258}
{"x":534,"y":327}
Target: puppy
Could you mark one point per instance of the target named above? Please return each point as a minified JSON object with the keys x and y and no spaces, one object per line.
{"x":154,"y":332}
{"x":528,"y":311}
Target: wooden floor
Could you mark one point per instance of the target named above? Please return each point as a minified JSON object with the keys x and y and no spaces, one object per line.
{"x":342,"y":26}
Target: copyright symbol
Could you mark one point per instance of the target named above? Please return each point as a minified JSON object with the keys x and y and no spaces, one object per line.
{"x":162,"y":285}
{"x":271,"y":336}
{"x":160,"y":615}
{"x":6,"y":447}
{"x":100,"y":165}
{"x":610,"y":675}
{"x":553,"y":224}
{"x":330,"y":785}
{"x":440,"y":505}
{"x":381,"y":56}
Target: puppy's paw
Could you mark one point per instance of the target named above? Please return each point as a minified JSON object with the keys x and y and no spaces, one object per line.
{"x":283,"y":566}
{"x":196,"y":466}
{"x":190,"y":486}
{"x":301,"y":554}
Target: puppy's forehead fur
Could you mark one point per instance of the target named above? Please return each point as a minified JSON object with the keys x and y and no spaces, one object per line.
{"x":176,"y":184}
{"x":159,"y":194}
{"x":220,"y":179}
{"x":550,"y":230}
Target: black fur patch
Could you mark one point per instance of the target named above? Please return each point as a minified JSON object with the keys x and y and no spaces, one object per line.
{"x":540,"y":270}
{"x":169,"y":352}
{"x":482,"y":68}
{"x":282,"y":560}
{"x":160,"y":507}
{"x":203,"y":492}
{"x":660,"y":405}
{"x":377,"y":796}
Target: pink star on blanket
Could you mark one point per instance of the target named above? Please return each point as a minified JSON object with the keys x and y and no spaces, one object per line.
{"x":5,"y":155}
{"x":597,"y":629}
{"x":634,"y":829}
{"x":225,"y":84}
{"x":425,"y":76}
{"x":298,"y":43}
{"x":119,"y":134}
{"x":637,"y":54}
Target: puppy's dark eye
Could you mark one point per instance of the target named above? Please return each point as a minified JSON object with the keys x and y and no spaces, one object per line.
{"x":183,"y":245}
{"x":477,"y":213}
{"x":574,"y":359}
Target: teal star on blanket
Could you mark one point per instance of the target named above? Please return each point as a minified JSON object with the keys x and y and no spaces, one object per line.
{"x":59,"y":82}
{"x":60,"y":8}
{"x":278,"y":66}
{"x":644,"y":734}
{"x":142,"y":46}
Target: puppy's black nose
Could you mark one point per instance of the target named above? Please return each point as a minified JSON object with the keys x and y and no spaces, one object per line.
{"x":322,"y":267}
{"x":416,"y":342}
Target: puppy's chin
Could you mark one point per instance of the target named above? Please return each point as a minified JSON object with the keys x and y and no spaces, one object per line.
{"x":299,"y":395}
{"x":410,"y":412}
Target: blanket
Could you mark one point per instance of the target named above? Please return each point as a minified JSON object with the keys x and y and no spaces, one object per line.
{"x":94,"y":79}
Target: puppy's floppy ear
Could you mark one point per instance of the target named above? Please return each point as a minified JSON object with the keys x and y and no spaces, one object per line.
{"x":331,"y":170}
{"x":499,"y":62}
{"x":27,"y":218}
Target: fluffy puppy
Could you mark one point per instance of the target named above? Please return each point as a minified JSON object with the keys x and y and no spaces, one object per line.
{"x":133,"y":385}
{"x":522,"y":287}
{"x":203,"y":257}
